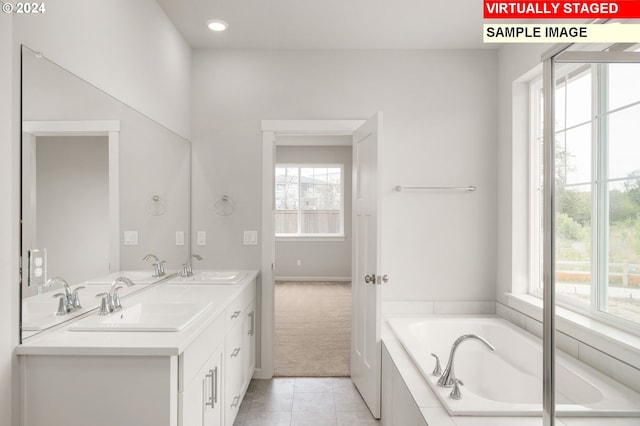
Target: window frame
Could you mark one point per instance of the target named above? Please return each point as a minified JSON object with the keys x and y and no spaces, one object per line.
{"x":598,"y":181}
{"x":299,"y":236}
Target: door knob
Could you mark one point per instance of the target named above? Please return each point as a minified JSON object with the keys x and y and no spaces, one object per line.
{"x":370,"y":279}
{"x":384,"y":278}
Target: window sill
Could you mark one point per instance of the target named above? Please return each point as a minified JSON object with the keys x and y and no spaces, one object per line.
{"x":307,"y":238}
{"x":615,"y":342}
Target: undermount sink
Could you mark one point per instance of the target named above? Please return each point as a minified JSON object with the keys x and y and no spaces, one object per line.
{"x":211,"y":277}
{"x":145,"y":316}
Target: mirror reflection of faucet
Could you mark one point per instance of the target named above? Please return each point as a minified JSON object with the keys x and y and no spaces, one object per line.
{"x":158,"y":266}
{"x":187,"y":270}
{"x":69,"y":300}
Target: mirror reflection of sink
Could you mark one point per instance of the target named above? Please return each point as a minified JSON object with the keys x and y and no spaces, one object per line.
{"x":211,"y":277}
{"x":40,"y":314}
{"x":145,"y":316}
{"x":138,"y":277}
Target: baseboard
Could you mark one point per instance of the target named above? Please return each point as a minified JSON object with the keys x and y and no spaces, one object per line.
{"x":260,"y":374}
{"x":313,"y":278}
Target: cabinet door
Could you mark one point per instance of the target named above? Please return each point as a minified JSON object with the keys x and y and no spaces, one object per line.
{"x":202,"y":398}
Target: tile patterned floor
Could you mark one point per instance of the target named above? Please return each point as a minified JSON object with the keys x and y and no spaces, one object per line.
{"x":304,"y":402}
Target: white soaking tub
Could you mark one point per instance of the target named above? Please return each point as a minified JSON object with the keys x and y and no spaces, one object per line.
{"x":507,"y":382}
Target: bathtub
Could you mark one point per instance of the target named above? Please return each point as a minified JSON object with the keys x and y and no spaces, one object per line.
{"x":507,"y":382}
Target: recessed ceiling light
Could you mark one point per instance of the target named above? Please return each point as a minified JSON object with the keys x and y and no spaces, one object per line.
{"x":217,"y":25}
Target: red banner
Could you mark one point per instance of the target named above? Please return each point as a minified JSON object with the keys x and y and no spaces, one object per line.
{"x":561,"y":9}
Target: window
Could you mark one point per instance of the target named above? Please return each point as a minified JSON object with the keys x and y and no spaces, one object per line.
{"x":309,"y":200}
{"x":597,"y":190}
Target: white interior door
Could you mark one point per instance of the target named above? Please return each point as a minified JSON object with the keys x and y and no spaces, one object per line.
{"x":366,"y":298}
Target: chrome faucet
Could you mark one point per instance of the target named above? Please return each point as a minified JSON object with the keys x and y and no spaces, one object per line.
{"x":110,"y":302}
{"x":158,"y":266}
{"x":448,"y":377}
{"x":69,"y":300}
{"x":113,"y":294}
{"x":186,"y":267}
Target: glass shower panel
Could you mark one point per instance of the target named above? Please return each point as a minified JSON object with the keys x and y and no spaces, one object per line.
{"x":594,"y":262}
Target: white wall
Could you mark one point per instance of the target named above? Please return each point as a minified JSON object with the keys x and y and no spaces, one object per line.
{"x":129,"y":49}
{"x":439,"y":129}
{"x":319,"y":259}
{"x":72,"y":208}
{"x":514,"y":62}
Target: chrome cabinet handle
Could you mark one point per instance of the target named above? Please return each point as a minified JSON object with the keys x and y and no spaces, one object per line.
{"x":253,"y":323}
{"x":370,"y":279}
{"x":236,"y":401}
{"x":235,"y":352}
{"x":215,"y":385}
{"x":236,"y":314}
{"x":213,"y":399}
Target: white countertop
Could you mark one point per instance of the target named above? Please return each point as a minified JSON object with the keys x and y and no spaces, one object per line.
{"x":63,"y":341}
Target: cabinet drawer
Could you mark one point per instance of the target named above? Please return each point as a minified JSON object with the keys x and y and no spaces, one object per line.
{"x":234,"y":312}
{"x":197,"y":353}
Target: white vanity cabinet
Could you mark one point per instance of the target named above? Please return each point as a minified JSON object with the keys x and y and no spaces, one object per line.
{"x":194,"y":377}
{"x":239,"y":353}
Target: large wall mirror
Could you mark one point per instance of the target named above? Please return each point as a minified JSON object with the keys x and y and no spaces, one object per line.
{"x":103,"y":187}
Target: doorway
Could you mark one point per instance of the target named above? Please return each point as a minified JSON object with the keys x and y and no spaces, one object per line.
{"x":312,"y":256}
{"x":366,"y":246}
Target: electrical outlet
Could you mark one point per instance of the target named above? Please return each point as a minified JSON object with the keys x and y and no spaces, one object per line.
{"x":37,"y":267}
{"x":179,"y":238}
{"x":299,"y":262}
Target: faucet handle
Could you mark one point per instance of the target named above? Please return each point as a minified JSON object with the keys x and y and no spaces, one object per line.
{"x":437,"y":370}
{"x":115,"y":298}
{"x":75,"y":298}
{"x":105,"y":304}
{"x":161,"y":272}
{"x":455,"y":392}
{"x":185,"y":270}
{"x":156,"y":270}
{"x":63,"y":304}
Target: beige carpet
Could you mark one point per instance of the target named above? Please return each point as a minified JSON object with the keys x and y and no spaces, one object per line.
{"x":313,"y":329}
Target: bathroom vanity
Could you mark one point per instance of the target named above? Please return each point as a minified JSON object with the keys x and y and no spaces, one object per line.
{"x":122,"y":370}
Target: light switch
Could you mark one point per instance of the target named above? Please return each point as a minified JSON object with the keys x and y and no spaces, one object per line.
{"x":179,"y":238}
{"x":130,"y":238}
{"x":202,"y":238}
{"x":250,"y":238}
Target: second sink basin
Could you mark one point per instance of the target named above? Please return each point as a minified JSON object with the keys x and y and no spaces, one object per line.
{"x":211,"y":277}
{"x":145,"y":316}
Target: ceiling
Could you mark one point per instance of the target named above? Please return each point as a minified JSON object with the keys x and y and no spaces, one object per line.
{"x":330,"y":24}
